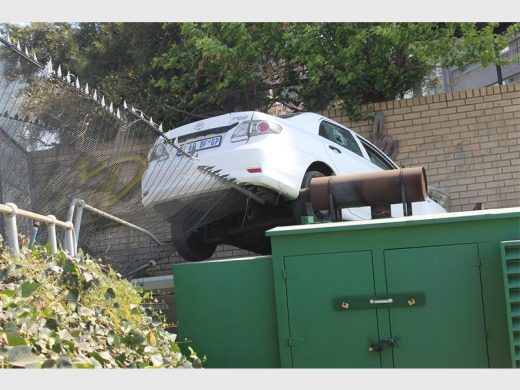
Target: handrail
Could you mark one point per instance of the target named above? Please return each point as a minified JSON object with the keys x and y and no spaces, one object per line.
{"x":11,"y":211}
{"x":76,"y":215}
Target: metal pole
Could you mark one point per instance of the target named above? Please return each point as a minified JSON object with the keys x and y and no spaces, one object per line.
{"x":11,"y":229}
{"x":76,"y":215}
{"x":122,"y":222}
{"x":499,"y":75}
{"x":36,"y":226}
{"x":69,"y":240}
{"x":51,"y":227}
{"x":77,"y":222}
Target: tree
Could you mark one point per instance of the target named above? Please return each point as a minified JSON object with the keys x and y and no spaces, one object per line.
{"x":219,"y":67}
{"x":183,"y":72}
{"x":114,"y":58}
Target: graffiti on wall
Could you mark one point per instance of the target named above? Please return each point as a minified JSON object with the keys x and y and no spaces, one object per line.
{"x":383,"y":141}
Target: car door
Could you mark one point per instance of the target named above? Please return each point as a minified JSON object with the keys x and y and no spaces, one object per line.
{"x":348,"y":156}
{"x":375,"y":161}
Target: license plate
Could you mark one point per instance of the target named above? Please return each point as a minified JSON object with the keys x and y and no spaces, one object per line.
{"x":202,"y":144}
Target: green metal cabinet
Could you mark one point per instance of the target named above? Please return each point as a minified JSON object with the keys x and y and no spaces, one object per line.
{"x":449,"y":265}
{"x":448,"y":320}
{"x":225,"y":310}
{"x":425,"y":291}
{"x":511,"y":269}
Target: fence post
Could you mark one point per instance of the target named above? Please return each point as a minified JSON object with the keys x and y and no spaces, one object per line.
{"x":69,"y":240}
{"x":11,"y":229}
{"x":77,"y":222}
{"x":51,"y":227}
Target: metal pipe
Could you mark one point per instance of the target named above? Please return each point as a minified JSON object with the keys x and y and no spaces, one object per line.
{"x":51,"y":230}
{"x":122,"y":222}
{"x":76,"y":215}
{"x":367,"y":189}
{"x":10,"y":210}
{"x":151,"y":263}
{"x":69,"y":243}
{"x":5,"y":209}
{"x":34,"y":232}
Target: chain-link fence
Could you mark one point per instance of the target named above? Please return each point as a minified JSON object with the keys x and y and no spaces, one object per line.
{"x":61,"y":140}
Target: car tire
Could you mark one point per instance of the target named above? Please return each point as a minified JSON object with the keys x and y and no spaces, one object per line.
{"x":302,"y":209}
{"x":191,"y":246}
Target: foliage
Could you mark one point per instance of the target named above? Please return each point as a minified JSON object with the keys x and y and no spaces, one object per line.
{"x":58,"y":311}
{"x":315,"y":64}
{"x":182,"y":72}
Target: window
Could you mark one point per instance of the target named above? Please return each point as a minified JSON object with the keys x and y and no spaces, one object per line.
{"x":377,"y":158}
{"x":340,"y":136}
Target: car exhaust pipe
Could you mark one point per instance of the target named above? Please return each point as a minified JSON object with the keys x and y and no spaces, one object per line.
{"x":378,"y":190}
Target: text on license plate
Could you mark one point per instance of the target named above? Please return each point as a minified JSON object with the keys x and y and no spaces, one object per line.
{"x":207,"y":143}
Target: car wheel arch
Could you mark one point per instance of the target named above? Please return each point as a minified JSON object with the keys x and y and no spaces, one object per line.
{"x":322,"y":167}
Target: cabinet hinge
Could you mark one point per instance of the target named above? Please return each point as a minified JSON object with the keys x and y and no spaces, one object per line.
{"x":294,"y":341}
{"x":287,"y":273}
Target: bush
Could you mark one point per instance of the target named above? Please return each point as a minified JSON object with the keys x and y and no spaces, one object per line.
{"x":58,"y":311}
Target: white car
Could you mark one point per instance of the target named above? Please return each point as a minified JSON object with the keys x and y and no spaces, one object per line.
{"x":277,"y":155}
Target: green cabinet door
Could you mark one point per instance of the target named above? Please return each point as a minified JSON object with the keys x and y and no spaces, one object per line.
{"x":321,"y":334}
{"x":449,"y":330}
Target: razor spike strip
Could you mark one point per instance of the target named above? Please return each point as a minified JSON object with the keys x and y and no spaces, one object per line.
{"x":95,"y":95}
{"x":151,"y":120}
{"x":48,"y":67}
{"x":59,"y":71}
{"x":9,"y":39}
{"x":18,"y":46}
{"x":142,"y":116}
{"x":34,"y":56}
{"x":160,"y":127}
{"x":78,"y":86}
{"x":124,"y":104}
{"x":86,"y":88}
{"x":111,"y":108}
{"x":103,"y":101}
{"x":26,"y":51}
{"x":67,"y":77}
{"x":118,"y":114}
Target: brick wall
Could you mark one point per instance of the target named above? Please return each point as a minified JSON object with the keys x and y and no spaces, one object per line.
{"x":468,"y":142}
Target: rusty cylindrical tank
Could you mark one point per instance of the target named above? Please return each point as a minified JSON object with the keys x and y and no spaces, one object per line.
{"x":404,"y":185}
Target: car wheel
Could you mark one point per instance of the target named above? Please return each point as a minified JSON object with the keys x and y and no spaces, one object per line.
{"x":190,"y":246}
{"x":301,"y":208}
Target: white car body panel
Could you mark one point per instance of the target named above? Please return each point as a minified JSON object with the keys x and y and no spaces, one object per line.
{"x":283,"y":158}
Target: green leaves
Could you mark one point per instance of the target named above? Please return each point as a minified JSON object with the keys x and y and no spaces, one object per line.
{"x":70,"y":267}
{"x":26,"y":289}
{"x":79,"y":316}
{"x":113,"y":339}
{"x":14,"y":339}
{"x":109,"y":293}
{"x":22,"y":356}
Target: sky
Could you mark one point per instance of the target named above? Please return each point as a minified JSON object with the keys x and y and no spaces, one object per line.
{"x":265,"y":10}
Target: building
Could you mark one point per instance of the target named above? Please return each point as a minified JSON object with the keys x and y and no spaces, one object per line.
{"x":472,"y":76}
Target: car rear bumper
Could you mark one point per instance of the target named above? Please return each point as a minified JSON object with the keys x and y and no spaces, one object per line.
{"x":172,"y":178}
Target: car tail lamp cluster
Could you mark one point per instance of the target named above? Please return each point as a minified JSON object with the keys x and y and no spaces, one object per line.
{"x":158,"y":152}
{"x":253,"y":128}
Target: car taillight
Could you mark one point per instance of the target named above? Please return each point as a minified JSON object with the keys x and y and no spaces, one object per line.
{"x":158,"y":152}
{"x":252,"y":128}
